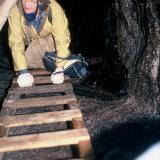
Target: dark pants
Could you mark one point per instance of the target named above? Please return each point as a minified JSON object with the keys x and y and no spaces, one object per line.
{"x":76,"y":70}
{"x":49,"y":61}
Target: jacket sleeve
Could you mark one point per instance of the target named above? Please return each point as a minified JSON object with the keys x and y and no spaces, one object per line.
{"x":60,"y":32}
{"x":16,"y":40}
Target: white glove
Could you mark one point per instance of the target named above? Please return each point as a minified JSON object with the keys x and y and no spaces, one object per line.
{"x":25,"y":80}
{"x":57,"y":76}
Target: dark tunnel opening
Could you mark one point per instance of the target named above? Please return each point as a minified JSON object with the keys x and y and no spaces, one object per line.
{"x":93,"y":32}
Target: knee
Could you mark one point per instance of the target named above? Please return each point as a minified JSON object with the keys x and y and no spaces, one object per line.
{"x":50,"y":55}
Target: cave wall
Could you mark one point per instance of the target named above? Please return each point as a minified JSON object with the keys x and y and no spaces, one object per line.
{"x":138,"y":43}
{"x":126,"y":35}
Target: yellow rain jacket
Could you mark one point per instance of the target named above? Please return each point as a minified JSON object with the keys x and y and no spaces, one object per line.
{"x":58,"y":28}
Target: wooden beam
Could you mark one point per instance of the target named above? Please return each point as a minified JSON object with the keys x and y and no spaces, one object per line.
{"x":43,"y":140}
{"x":40,"y":80}
{"x":4,"y":132}
{"x":41,"y":89}
{"x":37,"y":102}
{"x":85,"y":147}
{"x":78,"y":123}
{"x":39,"y":72}
{"x":40,"y":118}
{"x":37,"y":80}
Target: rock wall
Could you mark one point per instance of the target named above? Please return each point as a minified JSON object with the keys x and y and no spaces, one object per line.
{"x":138,"y":43}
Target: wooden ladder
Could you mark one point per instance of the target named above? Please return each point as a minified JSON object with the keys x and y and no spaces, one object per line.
{"x":43,"y":94}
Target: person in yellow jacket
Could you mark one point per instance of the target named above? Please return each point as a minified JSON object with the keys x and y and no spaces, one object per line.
{"x":28,"y":22}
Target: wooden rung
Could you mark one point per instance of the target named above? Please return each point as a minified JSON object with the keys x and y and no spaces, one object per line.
{"x":42,"y":101}
{"x":39,"y":72}
{"x":40,"y":118}
{"x":41,"y":89}
{"x":37,"y":80}
{"x":43,"y":140}
{"x":40,"y":80}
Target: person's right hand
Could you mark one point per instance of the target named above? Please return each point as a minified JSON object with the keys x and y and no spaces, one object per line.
{"x":25,"y":80}
{"x":57,"y":77}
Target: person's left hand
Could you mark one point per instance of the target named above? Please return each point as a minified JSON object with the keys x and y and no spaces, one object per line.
{"x":57,"y":76}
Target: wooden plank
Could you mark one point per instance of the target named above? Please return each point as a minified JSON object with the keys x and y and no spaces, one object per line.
{"x":39,"y":72}
{"x":43,"y":140}
{"x":40,"y":79}
{"x":42,"y":72}
{"x":41,"y":89}
{"x":40,"y":118}
{"x":42,"y":101}
{"x":37,"y":80}
{"x":85,"y":147}
{"x":7,"y":111}
{"x":78,"y":123}
{"x":4,"y":132}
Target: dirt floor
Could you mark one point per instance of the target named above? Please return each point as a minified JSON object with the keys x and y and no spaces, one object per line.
{"x":118,"y":128}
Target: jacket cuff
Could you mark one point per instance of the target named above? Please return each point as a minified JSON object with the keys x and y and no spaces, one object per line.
{"x":23,"y":71}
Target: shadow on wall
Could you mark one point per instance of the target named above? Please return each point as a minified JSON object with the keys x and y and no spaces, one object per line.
{"x":86,"y":22}
{"x":127,"y":141}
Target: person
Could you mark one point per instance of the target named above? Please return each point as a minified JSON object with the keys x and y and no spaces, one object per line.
{"x":39,"y":37}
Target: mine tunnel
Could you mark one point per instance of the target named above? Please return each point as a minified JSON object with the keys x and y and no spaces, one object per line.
{"x":92,"y":36}
{"x":119,"y":96}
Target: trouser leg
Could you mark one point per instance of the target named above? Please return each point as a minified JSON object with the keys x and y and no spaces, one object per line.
{"x":73,"y":67}
{"x":49,"y":61}
{"x":36,"y":50}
